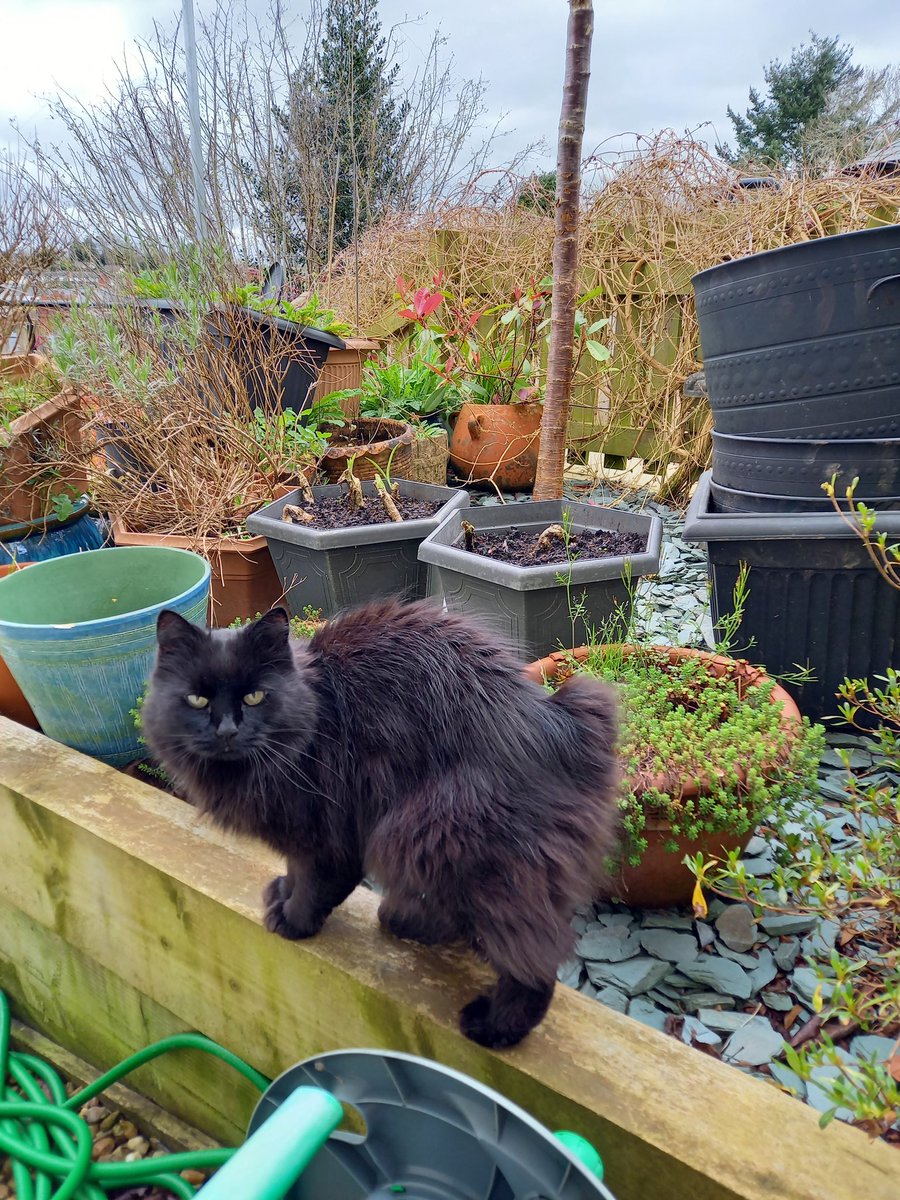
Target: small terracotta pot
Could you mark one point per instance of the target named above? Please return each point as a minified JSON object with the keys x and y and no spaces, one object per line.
{"x":498,"y":442}
{"x":12,"y":703}
{"x":375,"y":440}
{"x":661,"y":880}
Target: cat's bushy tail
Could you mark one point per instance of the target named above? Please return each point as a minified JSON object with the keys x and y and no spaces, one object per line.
{"x":588,"y":739}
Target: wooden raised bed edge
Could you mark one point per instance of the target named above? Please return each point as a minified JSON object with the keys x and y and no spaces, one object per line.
{"x":123,"y":917}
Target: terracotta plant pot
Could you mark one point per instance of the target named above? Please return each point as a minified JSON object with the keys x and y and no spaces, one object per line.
{"x":29,"y":446}
{"x":661,"y":879}
{"x":343,"y":370}
{"x":375,"y":439}
{"x":497,"y":442}
{"x":244,"y":581}
{"x":12,"y":703}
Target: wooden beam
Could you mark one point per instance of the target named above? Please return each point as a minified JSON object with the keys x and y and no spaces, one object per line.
{"x":109,"y":885}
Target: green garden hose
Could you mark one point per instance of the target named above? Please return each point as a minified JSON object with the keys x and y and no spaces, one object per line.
{"x":49,"y":1145}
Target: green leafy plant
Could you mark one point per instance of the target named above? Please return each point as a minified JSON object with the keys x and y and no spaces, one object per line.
{"x":496,"y":355}
{"x":411,"y":387}
{"x":299,"y":438}
{"x":302,"y":627}
{"x":311,"y":312}
{"x":20,"y":396}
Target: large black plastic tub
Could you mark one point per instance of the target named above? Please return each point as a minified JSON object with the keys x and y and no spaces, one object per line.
{"x":333,"y":569}
{"x":794,"y":467}
{"x":804,"y":341}
{"x":533,"y":606}
{"x":815,"y":597}
{"x":735,"y":500}
{"x":296,"y":351}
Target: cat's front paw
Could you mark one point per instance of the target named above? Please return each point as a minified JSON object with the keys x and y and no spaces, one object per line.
{"x":275,"y":891}
{"x":477,"y":1023}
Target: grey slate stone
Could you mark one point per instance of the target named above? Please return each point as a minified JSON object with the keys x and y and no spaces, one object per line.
{"x":736,"y":927}
{"x":743,"y":960}
{"x":612,"y":998}
{"x":607,"y":945}
{"x":786,"y":954}
{"x":695,"y":1001}
{"x":645,"y":1011}
{"x":753,"y":1044}
{"x":869,"y":1045}
{"x":669,"y":945}
{"x":706,"y":934}
{"x":695,"y":1031}
{"x":788,"y":922}
{"x":764,"y":971}
{"x":803,"y":984}
{"x":719,"y":974}
{"x":666,"y":920}
{"x":789,"y":1079}
{"x":571,"y":973}
{"x":779,"y":1001}
{"x":633,"y":977}
{"x":724,"y":1022}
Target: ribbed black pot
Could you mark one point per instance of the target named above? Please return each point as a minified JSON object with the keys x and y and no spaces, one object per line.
{"x":734,"y":500}
{"x":804,"y":341}
{"x":793,"y":467}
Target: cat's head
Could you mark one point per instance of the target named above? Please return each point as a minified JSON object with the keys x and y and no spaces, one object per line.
{"x":226,"y":696}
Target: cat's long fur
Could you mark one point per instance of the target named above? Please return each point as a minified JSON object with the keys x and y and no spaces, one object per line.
{"x":405,"y":743}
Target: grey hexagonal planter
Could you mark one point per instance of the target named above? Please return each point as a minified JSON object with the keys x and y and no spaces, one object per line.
{"x":332,"y":569}
{"x":531,"y":605}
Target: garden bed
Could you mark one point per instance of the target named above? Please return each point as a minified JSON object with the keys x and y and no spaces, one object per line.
{"x":123,"y":918}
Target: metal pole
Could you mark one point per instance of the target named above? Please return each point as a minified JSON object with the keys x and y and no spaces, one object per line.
{"x":193,"y":98}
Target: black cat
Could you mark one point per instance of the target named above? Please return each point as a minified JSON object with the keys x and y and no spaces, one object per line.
{"x":405,"y":743}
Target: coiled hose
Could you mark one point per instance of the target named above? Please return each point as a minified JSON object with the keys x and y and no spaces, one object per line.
{"x":50,"y":1145}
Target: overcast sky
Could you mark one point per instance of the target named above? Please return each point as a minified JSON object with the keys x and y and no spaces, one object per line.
{"x":656,"y":63}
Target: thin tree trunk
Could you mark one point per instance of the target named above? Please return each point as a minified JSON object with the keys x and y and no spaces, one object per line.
{"x":558,"y":395}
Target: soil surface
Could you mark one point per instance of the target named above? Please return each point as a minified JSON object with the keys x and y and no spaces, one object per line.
{"x":334,"y":512}
{"x":520,"y":547}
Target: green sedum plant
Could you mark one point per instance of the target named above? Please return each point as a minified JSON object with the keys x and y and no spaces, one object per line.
{"x":686,"y":720}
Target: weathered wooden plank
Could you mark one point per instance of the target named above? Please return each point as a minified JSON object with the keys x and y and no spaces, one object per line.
{"x":180,"y":926}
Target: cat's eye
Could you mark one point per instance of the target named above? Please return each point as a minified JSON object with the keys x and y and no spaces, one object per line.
{"x":254,"y":698}
{"x":196,"y":701}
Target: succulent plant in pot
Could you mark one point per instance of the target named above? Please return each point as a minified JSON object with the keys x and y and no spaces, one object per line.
{"x":711,"y":747}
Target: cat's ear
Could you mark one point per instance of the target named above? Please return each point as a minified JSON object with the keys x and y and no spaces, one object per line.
{"x":174,"y":634}
{"x":270,"y":635}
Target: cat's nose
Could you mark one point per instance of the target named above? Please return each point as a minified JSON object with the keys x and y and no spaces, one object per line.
{"x":227,"y":727}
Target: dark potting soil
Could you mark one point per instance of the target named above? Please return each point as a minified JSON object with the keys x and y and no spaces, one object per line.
{"x":333,"y":512}
{"x":520,"y":546}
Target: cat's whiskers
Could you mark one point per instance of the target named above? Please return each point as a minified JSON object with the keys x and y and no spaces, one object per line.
{"x":282,"y":764}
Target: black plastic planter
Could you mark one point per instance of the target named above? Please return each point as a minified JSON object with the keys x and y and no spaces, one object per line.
{"x":789,"y":467}
{"x":815,"y":598}
{"x":532,"y":605}
{"x":332,"y":569}
{"x":297,"y":374}
{"x":734,"y":500}
{"x":804,"y":341}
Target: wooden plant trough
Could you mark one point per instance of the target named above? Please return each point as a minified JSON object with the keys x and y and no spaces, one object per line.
{"x":124,"y":918}
{"x":31,"y":447}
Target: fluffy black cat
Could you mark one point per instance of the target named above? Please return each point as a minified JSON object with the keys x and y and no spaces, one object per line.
{"x":404,"y":743}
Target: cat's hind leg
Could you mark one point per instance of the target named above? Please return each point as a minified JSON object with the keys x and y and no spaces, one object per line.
{"x":507,"y":1013}
{"x":298,"y":903}
{"x":524,"y":939}
{"x":411,"y":917}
